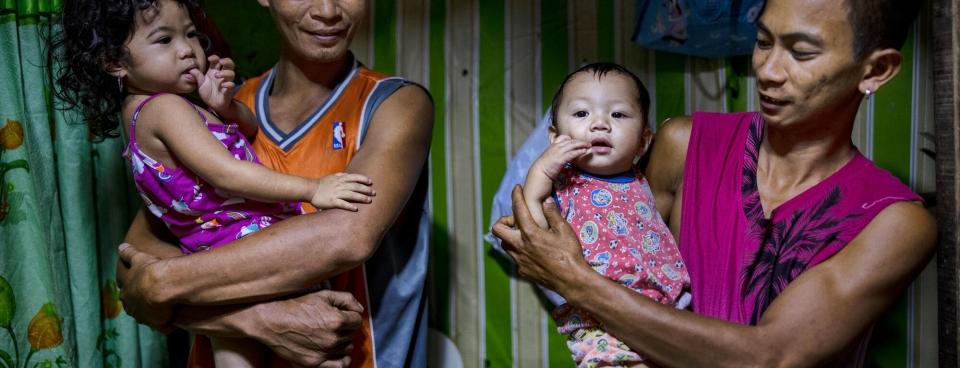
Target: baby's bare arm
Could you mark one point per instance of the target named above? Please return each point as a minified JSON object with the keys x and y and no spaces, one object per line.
{"x":544,"y":172}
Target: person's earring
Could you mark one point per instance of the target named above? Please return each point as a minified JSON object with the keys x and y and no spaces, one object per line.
{"x":120,"y":83}
{"x":869,"y":92}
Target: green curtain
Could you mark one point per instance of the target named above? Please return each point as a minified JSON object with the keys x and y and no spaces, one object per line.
{"x":65,"y":203}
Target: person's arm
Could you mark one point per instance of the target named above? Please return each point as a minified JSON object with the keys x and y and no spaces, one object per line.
{"x":148,"y":234}
{"x":306,"y":330}
{"x":818,"y":316}
{"x":544,"y":171}
{"x":216,"y":89}
{"x":176,"y":125}
{"x":299,"y":252}
{"x":664,"y":171}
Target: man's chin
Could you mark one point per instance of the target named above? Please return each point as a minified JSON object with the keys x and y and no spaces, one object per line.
{"x":326,"y":55}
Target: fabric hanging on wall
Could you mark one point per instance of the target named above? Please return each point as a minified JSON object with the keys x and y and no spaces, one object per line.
{"x":65,"y":204}
{"x":707,"y":28}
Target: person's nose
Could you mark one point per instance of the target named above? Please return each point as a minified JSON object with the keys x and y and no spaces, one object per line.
{"x":769,"y":66}
{"x":185,"y":50}
{"x":599,"y":123}
{"x":325,"y":10}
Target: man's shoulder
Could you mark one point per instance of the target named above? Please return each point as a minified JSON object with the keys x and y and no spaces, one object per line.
{"x":874,"y":185}
{"x":904,"y":228}
{"x":385,"y":87}
{"x":677,"y":132}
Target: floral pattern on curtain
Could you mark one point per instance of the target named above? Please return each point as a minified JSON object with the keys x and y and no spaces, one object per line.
{"x":65,"y":203}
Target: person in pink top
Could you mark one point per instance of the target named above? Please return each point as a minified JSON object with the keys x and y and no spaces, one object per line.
{"x":795,"y":242}
{"x":599,"y":129}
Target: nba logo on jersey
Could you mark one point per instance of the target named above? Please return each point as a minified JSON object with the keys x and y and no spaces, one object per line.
{"x":338,"y":135}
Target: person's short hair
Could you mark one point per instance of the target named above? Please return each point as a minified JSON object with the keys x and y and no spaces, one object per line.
{"x":880,"y":24}
{"x":599,"y":70}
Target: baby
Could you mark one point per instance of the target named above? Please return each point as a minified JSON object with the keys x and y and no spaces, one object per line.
{"x":598,"y":132}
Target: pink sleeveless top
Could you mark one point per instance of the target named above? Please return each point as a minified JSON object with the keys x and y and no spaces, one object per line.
{"x":739,"y":261}
{"x":199,"y":215}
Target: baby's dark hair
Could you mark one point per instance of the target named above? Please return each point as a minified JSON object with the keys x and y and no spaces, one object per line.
{"x":91,"y":36}
{"x":599,"y":70}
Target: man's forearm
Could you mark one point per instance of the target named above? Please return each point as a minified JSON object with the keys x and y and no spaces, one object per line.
{"x":218,"y":321}
{"x":641,"y":323}
{"x":293,"y":255}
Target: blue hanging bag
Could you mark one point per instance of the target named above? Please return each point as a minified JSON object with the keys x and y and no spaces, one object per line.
{"x":707,"y":28}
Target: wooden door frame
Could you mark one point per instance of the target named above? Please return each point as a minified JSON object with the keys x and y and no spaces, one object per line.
{"x":946,"y":59}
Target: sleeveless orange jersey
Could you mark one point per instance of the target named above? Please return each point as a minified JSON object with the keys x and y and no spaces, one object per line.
{"x":324,"y":144}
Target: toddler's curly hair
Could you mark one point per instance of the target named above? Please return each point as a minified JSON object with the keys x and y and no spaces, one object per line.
{"x":91,"y":36}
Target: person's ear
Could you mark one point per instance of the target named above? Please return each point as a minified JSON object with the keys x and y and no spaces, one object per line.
{"x":880,"y":66}
{"x":115,"y":71}
{"x":646,"y":137}
{"x":552,"y":133}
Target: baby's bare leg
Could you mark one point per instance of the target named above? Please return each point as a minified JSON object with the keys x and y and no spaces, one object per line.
{"x":237,"y":352}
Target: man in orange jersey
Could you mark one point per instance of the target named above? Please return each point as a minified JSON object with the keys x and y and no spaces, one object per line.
{"x":320,"y":112}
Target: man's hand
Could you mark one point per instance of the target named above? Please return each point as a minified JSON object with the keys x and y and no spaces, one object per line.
{"x":313,"y":330}
{"x":138,"y":287}
{"x":544,"y":256}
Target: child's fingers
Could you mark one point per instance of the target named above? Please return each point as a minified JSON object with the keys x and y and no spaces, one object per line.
{"x":227,"y":64}
{"x":358,"y":188}
{"x":355,"y":197}
{"x":226,"y":75}
{"x":213,"y":62}
{"x":342,"y":204}
{"x":573,"y":145}
{"x":197,"y":75}
{"x":578,"y":143}
{"x":227,"y":86}
{"x":572,"y":154}
{"x":354,"y":178}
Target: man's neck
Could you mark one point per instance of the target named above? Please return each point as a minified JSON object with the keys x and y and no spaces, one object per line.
{"x":793,"y":160}
{"x":300,"y":78}
{"x":301,"y":86}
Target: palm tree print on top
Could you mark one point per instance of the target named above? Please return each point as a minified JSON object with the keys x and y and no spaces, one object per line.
{"x":787,"y":244}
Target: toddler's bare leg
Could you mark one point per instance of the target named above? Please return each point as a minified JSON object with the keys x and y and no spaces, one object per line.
{"x":237,"y":352}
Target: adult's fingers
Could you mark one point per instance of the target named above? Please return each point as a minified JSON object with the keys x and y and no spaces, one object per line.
{"x":554,"y":218}
{"x":342,"y":300}
{"x":126,"y":252}
{"x":507,"y":221}
{"x":336,"y":363}
{"x":504,"y":229}
{"x":130,"y":255}
{"x":521,"y":213}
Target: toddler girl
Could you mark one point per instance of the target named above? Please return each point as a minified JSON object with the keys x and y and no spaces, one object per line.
{"x":598,"y":132}
{"x":192,"y":165}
